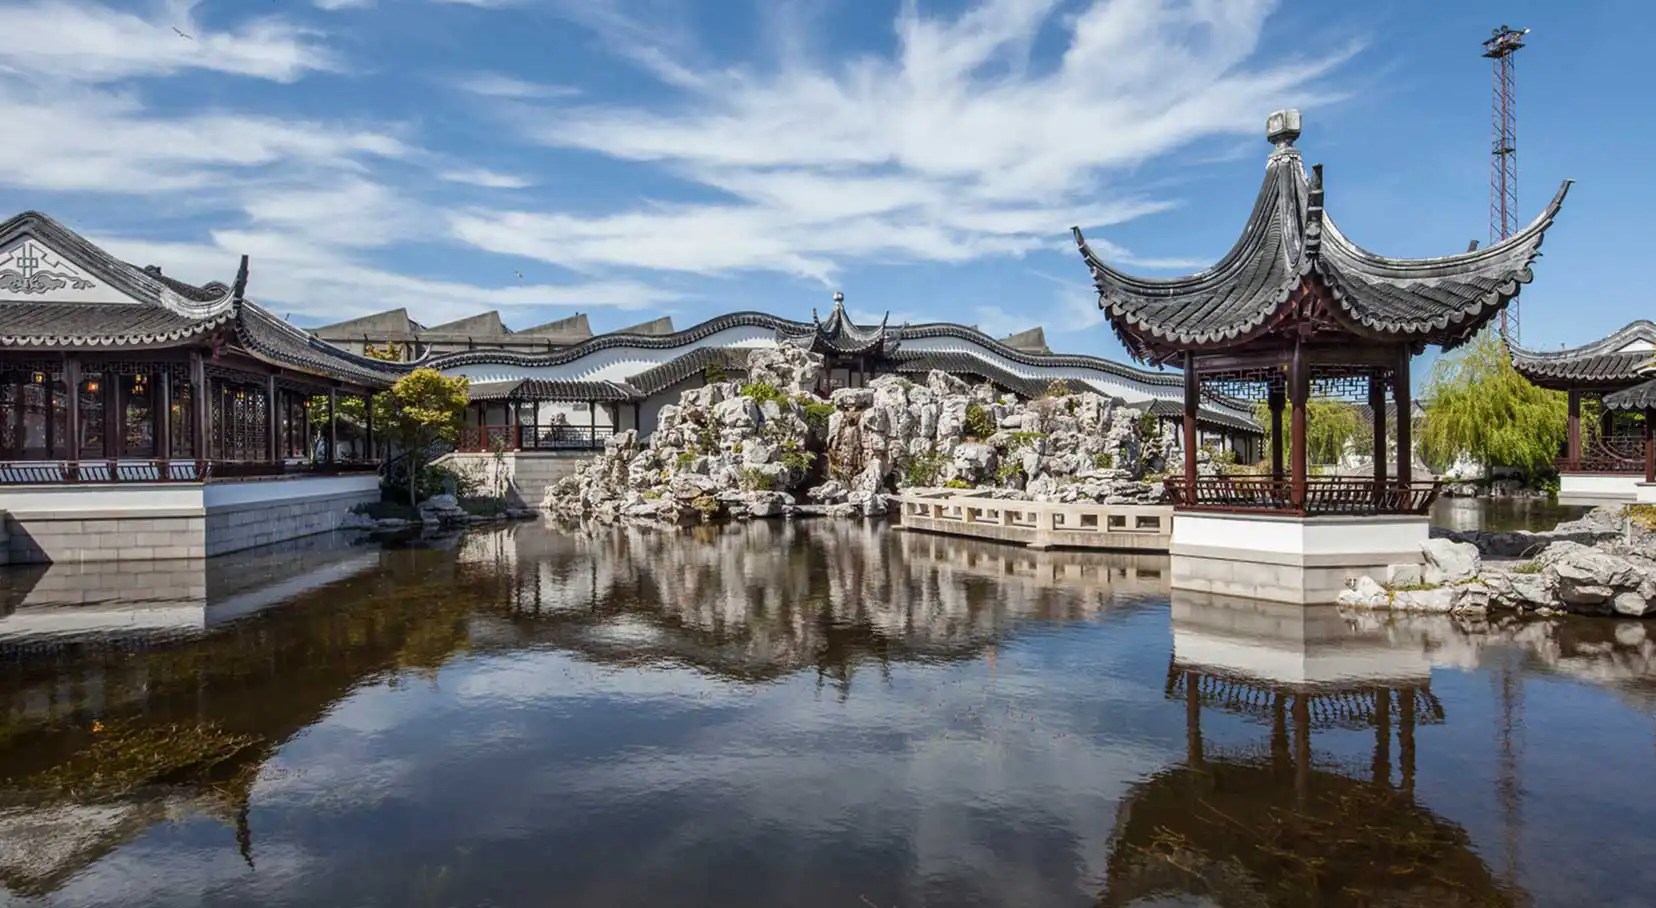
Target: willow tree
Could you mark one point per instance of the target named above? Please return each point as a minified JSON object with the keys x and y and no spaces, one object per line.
{"x":1330,"y":426}
{"x":1478,"y":406}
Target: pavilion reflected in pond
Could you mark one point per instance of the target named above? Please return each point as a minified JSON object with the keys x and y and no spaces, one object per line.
{"x":1276,"y":823}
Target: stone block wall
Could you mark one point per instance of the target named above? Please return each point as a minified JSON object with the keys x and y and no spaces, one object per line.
{"x":68,"y":525}
{"x":105,"y":537}
{"x":232,"y":529}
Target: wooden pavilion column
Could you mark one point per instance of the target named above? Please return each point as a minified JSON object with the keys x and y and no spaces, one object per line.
{"x":163,"y":431}
{"x":1276,"y":399}
{"x":72,"y":380}
{"x":1572,"y":444}
{"x":333,"y":425}
{"x":1377,"y":403}
{"x":512,"y":417}
{"x":1192,"y":394}
{"x":1299,"y":390}
{"x":1649,"y":445}
{"x":592,"y":423}
{"x":368,"y":425}
{"x":198,"y":403}
{"x":1405,"y":418}
{"x":273,"y":421}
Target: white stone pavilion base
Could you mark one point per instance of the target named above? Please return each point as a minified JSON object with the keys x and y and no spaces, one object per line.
{"x":1283,"y":558}
{"x":59,"y":524}
{"x":1645,"y":493}
{"x":1598,"y":488}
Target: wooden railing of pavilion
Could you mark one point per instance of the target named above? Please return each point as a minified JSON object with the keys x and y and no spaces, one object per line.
{"x":533,"y":437}
{"x":130,"y":471}
{"x":1326,"y":496}
{"x":1607,"y":454}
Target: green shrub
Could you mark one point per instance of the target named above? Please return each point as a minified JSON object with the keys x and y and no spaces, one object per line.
{"x":1104,"y":460}
{"x":1058,"y":388}
{"x":752,"y":479}
{"x":978,"y":423}
{"x":686,"y":458}
{"x":1148,"y":425}
{"x":1528,"y":568}
{"x":921,"y":470}
{"x":1008,"y":469}
{"x":816,"y":416}
{"x":761,"y":391}
{"x":957,"y":484}
{"x":435,"y":479}
{"x":1016,"y":440}
{"x":798,"y":460}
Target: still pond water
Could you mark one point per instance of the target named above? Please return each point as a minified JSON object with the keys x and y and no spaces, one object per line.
{"x":816,"y":714}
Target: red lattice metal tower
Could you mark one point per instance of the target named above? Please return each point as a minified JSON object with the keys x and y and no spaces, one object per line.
{"x":1503,"y":152}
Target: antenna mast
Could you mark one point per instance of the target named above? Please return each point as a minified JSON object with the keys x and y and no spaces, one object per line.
{"x":1503,"y":152}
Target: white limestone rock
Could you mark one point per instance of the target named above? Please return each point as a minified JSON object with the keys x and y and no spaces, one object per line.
{"x":1365,"y":593}
{"x":1448,"y":561}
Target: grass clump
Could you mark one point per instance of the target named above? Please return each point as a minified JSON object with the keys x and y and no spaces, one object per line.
{"x":1530,"y":567}
{"x":978,"y":423}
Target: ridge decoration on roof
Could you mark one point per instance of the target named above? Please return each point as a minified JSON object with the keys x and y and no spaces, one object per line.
{"x":839,"y":335}
{"x":1615,"y":360}
{"x":1292,"y":266}
{"x":115,"y":304}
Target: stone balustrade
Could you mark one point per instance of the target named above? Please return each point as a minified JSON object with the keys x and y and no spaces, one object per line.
{"x":1040,"y":524}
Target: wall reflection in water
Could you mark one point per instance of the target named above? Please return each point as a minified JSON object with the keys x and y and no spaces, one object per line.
{"x":820,"y":713}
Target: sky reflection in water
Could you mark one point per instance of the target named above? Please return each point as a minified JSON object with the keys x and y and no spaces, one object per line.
{"x":817,"y":714}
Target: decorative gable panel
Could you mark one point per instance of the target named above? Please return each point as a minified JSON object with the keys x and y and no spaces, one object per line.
{"x":32,"y":272}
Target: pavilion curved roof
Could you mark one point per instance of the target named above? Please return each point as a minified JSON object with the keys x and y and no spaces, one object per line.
{"x":1639,"y":397}
{"x":1288,"y":239}
{"x":1615,"y":360}
{"x":162,"y":312}
{"x":839,"y":335}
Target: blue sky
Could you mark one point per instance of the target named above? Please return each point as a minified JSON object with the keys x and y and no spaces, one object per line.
{"x":631,"y":158}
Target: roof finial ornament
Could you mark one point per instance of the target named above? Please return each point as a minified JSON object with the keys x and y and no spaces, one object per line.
{"x":1282,"y":128}
{"x":839,"y":298}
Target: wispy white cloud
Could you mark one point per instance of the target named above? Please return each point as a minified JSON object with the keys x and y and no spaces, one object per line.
{"x":488,"y":179}
{"x":311,"y":200}
{"x":953,"y":148}
{"x":332,"y":5}
{"x":94,"y":43}
{"x":495,"y":85}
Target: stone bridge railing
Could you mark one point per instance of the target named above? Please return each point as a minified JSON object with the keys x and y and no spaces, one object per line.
{"x":1039,"y":524}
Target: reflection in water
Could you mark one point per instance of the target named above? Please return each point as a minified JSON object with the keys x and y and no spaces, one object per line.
{"x":1502,"y":515}
{"x":1269,"y":822}
{"x":817,"y":713}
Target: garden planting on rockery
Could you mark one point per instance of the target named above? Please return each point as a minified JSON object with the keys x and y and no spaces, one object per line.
{"x":1602,"y":564}
{"x":770,"y":448}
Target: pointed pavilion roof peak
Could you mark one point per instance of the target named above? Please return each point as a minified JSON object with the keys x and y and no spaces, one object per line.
{"x":1289,"y":238}
{"x":839,"y":335}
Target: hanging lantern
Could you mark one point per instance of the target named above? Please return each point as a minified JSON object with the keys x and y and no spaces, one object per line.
{"x":92,"y":386}
{"x":39,"y":378}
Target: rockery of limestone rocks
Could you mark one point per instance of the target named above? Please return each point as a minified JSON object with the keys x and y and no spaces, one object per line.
{"x":1602,"y":564}
{"x":768,"y":447}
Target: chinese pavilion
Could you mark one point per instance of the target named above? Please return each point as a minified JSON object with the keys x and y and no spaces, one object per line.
{"x":1604,"y":455}
{"x":1296,"y":310}
{"x":118,"y":383}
